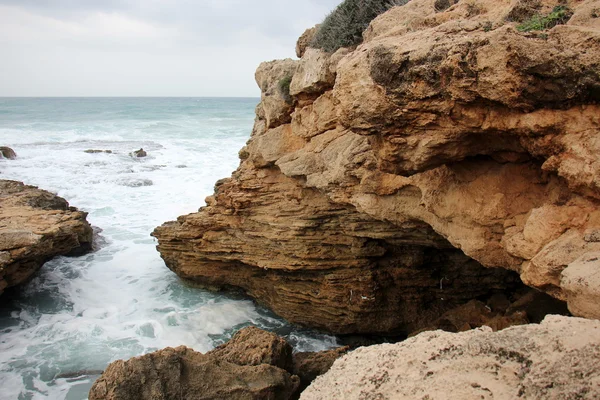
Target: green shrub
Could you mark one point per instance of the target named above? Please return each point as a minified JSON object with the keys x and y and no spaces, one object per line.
{"x":344,"y":26}
{"x":559,"y":15}
{"x":284,"y":87}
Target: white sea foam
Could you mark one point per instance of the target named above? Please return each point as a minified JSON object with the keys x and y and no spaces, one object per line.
{"x":79,"y":314}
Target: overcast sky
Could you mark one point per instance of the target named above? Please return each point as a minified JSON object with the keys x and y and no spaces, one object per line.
{"x":146,"y":47}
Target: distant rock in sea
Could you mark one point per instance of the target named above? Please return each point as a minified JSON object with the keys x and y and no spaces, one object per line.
{"x":7,"y":152}
{"x":94,"y":151}
{"x":136,"y":182}
{"x":138,"y":153}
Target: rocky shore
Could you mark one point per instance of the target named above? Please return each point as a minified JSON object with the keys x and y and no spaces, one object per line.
{"x":447,"y":158}
{"x":443,"y":174}
{"x":35,"y":226}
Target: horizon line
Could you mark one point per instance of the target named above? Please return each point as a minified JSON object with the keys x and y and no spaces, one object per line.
{"x":129,"y":97}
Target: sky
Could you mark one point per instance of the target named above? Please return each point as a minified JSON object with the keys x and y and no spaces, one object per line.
{"x":146,"y":47}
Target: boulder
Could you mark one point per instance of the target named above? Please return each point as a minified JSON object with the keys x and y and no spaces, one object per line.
{"x":273,"y":79}
{"x":557,"y":359}
{"x":254,"y":364}
{"x":313,"y":76}
{"x":7,"y":152}
{"x":181,"y":373}
{"x":36,"y":225}
{"x":138,"y":153}
{"x":253,"y":346}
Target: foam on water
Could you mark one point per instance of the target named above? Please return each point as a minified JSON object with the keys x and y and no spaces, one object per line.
{"x":79,"y":314}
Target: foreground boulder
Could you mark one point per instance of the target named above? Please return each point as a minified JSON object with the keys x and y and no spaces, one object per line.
{"x":557,"y":359}
{"x":254,"y":364}
{"x":182,"y":373}
{"x":7,"y":152}
{"x":36,"y":225}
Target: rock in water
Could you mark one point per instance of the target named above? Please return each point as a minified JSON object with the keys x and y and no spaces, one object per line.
{"x":254,"y":364}
{"x":95,"y":151}
{"x":7,"y":152}
{"x":139,"y":153}
{"x":36,"y":225}
{"x":447,"y":155}
{"x":555,"y":360}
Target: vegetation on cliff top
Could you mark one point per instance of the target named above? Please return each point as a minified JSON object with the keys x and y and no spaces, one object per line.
{"x":344,"y":26}
{"x":559,"y":15}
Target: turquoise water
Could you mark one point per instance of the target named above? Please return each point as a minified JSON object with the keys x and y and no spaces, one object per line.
{"x":79,"y":314}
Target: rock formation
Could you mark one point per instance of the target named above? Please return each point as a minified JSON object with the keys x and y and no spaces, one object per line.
{"x":446,"y":156}
{"x":36,"y":225}
{"x":7,"y":152}
{"x":138,"y":153}
{"x":96,"y":151}
{"x":555,"y":360}
{"x":254,"y":364}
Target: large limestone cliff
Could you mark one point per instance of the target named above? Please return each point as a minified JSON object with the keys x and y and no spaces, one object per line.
{"x":433,"y":164}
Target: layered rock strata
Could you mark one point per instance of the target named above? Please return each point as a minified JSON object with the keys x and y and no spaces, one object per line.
{"x":557,"y":359}
{"x":254,"y":364}
{"x":370,"y":196}
{"x":36,"y":225}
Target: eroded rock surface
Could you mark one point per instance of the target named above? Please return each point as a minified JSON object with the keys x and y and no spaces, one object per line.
{"x":447,"y":142}
{"x":254,"y":364}
{"x":557,"y":359}
{"x":36,"y":225}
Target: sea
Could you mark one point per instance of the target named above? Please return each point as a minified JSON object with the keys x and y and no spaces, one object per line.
{"x":78,"y":314}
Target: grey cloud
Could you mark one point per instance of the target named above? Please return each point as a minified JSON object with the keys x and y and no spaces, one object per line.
{"x":146,"y":47}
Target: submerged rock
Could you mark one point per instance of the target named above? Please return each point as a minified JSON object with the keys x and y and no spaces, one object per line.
{"x":36,"y":225}
{"x":7,"y":152}
{"x":557,"y":359}
{"x":254,"y":364}
{"x":136,"y":182}
{"x":95,"y":151}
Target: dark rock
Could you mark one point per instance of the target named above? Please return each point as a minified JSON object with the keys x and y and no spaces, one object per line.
{"x":7,"y":152}
{"x":538,"y":305}
{"x":309,"y":365}
{"x":94,"y":151}
{"x":139,"y":153}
